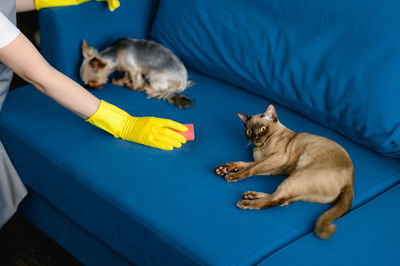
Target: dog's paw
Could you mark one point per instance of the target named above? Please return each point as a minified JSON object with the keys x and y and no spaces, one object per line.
{"x":227,"y":168}
{"x":118,"y":82}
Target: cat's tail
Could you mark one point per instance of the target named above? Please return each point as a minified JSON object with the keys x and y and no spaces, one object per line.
{"x":323,"y":227}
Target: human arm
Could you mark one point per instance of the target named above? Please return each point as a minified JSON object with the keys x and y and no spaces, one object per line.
{"x":25,"y":5}
{"x":23,"y":58}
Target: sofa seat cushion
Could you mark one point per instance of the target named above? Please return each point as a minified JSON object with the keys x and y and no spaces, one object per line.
{"x":370,"y":237}
{"x":168,"y":207}
{"x":335,"y":62}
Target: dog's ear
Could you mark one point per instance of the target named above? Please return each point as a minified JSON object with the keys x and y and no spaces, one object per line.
{"x":88,"y":51}
{"x":97,"y":64}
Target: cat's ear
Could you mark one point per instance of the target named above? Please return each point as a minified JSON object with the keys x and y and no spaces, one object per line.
{"x":245,"y":118}
{"x":270,"y":113}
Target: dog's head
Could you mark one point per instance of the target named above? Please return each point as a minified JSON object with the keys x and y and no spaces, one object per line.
{"x":94,"y":71}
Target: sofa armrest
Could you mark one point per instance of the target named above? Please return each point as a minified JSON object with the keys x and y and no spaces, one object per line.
{"x":62,"y":29}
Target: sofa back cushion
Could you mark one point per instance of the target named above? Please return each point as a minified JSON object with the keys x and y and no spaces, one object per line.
{"x":336,"y":62}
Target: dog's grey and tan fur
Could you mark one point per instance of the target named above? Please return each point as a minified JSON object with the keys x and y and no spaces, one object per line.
{"x":148,"y":66}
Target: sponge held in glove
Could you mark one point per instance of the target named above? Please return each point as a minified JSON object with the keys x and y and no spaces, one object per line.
{"x":189,"y":135}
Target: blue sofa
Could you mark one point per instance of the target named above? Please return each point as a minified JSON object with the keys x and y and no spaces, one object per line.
{"x":112,"y":202}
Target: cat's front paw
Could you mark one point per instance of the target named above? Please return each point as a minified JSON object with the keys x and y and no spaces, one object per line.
{"x":248,"y":204}
{"x":250,"y":195}
{"x":227,"y":168}
{"x":232,"y":177}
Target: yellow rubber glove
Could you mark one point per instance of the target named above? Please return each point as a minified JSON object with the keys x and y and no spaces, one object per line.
{"x":39,"y":4}
{"x":150,"y":131}
{"x":112,"y":4}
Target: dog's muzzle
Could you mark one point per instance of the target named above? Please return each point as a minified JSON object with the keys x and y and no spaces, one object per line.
{"x":94,"y":85}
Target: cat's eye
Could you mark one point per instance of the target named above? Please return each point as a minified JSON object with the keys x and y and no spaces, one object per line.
{"x":248,"y":132}
{"x":262,"y":130}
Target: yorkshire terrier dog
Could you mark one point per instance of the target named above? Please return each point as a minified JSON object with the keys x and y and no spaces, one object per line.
{"x":147,"y":66}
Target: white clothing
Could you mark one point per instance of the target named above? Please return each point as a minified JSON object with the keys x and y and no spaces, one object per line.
{"x":8,"y":31}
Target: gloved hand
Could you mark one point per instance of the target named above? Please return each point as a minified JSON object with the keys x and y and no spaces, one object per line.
{"x":39,"y":4}
{"x":150,"y":131}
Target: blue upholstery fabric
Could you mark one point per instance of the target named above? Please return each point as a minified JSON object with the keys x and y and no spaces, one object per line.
{"x":63,"y":29}
{"x":159,"y":207}
{"x":82,"y":245}
{"x":373,"y":229}
{"x":336,"y":62}
{"x":154,"y":207}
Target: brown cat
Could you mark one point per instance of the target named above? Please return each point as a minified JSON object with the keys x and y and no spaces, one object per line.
{"x":319,"y":169}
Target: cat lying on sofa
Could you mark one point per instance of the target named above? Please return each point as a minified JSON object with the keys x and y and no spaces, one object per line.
{"x":319,"y":169}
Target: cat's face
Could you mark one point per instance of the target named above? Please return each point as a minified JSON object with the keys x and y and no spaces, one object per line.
{"x":258,"y":128}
